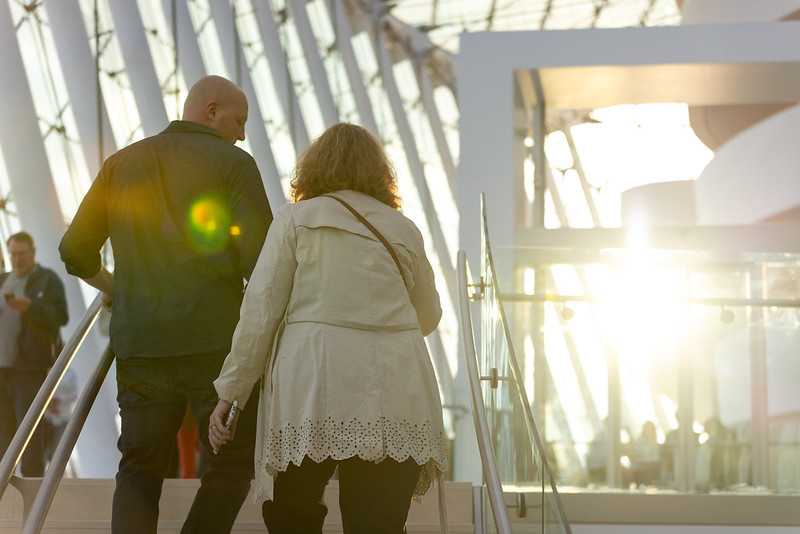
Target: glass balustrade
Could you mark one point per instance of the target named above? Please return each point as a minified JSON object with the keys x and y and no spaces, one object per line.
{"x":519,"y":491}
{"x":647,"y":370}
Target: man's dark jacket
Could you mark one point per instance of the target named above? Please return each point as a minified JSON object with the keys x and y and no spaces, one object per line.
{"x":40,"y":337}
{"x":186,"y":214}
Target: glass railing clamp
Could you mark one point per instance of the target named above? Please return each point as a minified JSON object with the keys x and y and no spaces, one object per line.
{"x":476,"y":291}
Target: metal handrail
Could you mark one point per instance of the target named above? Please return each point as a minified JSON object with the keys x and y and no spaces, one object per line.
{"x":55,"y":471}
{"x":491,"y":474}
{"x":34,"y":414}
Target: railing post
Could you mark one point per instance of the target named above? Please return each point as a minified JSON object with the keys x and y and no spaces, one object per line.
{"x":28,"y":487}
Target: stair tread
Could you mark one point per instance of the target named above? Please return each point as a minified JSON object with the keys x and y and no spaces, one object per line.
{"x":82,"y":505}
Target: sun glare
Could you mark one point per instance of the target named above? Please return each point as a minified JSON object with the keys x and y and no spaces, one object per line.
{"x":644,"y":310}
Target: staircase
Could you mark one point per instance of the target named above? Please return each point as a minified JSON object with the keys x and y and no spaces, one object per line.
{"x":83,"y":506}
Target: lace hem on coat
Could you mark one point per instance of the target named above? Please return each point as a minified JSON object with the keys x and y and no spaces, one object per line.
{"x":369,"y":440}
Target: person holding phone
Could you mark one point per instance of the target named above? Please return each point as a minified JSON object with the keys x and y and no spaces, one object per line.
{"x":33,"y":311}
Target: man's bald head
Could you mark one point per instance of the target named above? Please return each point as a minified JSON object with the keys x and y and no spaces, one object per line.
{"x":219,"y":104}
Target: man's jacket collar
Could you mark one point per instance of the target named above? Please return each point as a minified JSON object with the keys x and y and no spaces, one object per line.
{"x":190,"y":127}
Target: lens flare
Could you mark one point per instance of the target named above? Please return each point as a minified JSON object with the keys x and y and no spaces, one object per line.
{"x":210,"y":224}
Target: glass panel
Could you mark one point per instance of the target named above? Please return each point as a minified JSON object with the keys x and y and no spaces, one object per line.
{"x":522,"y":458}
{"x":688,"y":360}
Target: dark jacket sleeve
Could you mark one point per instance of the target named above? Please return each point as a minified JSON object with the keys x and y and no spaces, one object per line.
{"x":48,"y":301}
{"x":40,"y":338}
{"x":81,"y":244}
{"x":251,"y":213}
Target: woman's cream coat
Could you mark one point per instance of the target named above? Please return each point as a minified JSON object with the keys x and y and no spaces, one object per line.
{"x":337,"y":337}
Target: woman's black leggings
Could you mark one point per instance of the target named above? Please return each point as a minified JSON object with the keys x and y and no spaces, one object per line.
{"x":374,"y":498}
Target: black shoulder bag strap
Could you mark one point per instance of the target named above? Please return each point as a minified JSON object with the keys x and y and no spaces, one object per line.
{"x":375,"y":231}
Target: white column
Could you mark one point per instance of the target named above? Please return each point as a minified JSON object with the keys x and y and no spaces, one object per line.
{"x":485,"y":98}
{"x":78,"y":66}
{"x":429,"y":105}
{"x":412,"y":155}
{"x":316,"y":68}
{"x":256,"y":132}
{"x":344,"y":42}
{"x":276,"y":56}
{"x":139,"y":66}
{"x":190,"y":60}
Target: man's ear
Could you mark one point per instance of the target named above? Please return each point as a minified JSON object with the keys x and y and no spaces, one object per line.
{"x":211,"y":110}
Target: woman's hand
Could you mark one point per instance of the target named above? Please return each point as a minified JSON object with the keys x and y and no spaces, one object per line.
{"x":218,"y":433}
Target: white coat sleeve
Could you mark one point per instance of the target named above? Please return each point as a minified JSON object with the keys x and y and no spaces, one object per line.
{"x":424,"y":296}
{"x":263,"y":308}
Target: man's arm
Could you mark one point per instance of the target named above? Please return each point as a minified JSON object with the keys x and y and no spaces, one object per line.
{"x":80,"y":246}
{"x":104,"y":281}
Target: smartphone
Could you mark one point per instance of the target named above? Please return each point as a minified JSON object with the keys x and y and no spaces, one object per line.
{"x":231,"y":414}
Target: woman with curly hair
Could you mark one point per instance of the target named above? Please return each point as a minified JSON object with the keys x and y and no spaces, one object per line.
{"x":333,"y":321}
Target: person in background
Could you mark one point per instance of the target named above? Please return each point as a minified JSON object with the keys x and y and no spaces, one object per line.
{"x":349,"y":383}
{"x":32,"y":312}
{"x":716,"y":454}
{"x":596,"y":460}
{"x":187,"y":214}
{"x":645,"y":456}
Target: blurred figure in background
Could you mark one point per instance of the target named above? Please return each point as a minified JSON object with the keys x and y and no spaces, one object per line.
{"x":646,"y":456}
{"x":58,"y":413}
{"x":32,"y":311}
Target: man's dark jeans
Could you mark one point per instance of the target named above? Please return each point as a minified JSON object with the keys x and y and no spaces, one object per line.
{"x":152,"y":396}
{"x":18,"y":388}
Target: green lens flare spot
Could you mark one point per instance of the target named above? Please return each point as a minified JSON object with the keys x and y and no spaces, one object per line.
{"x":209,"y":224}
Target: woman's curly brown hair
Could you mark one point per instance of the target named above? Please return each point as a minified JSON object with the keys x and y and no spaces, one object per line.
{"x":345,"y":156}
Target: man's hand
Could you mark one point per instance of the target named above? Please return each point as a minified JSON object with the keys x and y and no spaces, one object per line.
{"x":19,"y":303}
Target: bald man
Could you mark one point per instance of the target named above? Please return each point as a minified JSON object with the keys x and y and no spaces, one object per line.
{"x":186,"y":214}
